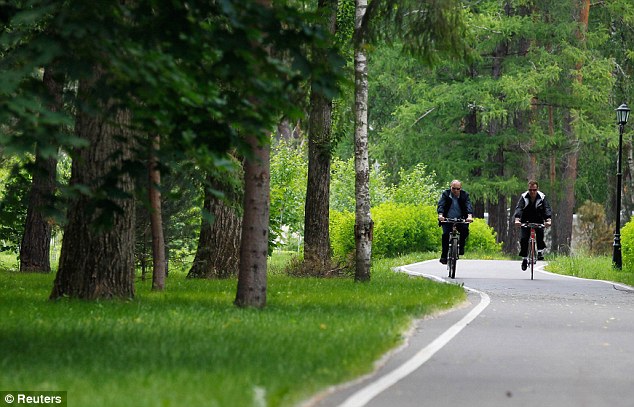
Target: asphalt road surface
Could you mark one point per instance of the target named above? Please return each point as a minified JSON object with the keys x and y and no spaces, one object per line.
{"x":552,"y":341}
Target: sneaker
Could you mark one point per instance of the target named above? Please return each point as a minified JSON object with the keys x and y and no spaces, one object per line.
{"x":443,"y":260}
{"x":540,"y":256}
{"x":524,"y":264}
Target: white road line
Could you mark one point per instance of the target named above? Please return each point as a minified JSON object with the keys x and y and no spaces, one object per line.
{"x":363,"y":396}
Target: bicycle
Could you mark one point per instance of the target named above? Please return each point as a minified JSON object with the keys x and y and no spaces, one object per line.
{"x":532,"y":244}
{"x":453,"y":252}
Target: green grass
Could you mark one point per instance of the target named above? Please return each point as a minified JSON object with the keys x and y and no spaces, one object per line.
{"x":594,"y":267}
{"x":189,"y":346}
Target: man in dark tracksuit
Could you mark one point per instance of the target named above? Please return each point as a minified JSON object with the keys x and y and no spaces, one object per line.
{"x":532,"y":207}
{"x":454,"y":203}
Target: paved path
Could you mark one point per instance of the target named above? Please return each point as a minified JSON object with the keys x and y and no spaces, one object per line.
{"x":553,"y":341}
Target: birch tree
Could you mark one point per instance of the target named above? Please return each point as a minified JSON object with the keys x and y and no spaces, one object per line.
{"x":363,"y":228}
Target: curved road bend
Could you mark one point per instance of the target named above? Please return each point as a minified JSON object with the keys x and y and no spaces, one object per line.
{"x":554,"y":341}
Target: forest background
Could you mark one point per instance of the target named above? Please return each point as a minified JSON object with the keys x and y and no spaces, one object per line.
{"x":520,"y":90}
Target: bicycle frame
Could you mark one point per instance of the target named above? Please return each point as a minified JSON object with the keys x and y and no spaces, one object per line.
{"x":454,"y":246}
{"x":532,"y":244}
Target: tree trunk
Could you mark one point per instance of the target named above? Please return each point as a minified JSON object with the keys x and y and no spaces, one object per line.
{"x":563,"y":209}
{"x":36,"y":240}
{"x":363,"y":220}
{"x":218,"y":250}
{"x":255,"y":227}
{"x":254,"y":242}
{"x":317,"y":252}
{"x":156,"y":220}
{"x":563,"y":214}
{"x":98,"y":263}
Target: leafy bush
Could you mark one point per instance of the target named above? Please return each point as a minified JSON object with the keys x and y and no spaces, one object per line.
{"x":482,"y":238}
{"x":398,"y":229}
{"x":416,"y":186}
{"x":13,"y":207}
{"x":404,"y":228}
{"x":627,"y":246}
{"x":289,"y":174}
{"x":342,"y":233}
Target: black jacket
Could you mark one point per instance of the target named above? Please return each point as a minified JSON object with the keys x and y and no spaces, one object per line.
{"x":539,"y":214}
{"x":444,"y":203}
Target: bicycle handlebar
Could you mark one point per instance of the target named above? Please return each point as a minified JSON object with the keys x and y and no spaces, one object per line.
{"x":533,"y":225}
{"x":453,"y":220}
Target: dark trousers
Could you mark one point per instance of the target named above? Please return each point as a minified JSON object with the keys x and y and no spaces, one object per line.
{"x":463,"y":228}
{"x":525,"y":234}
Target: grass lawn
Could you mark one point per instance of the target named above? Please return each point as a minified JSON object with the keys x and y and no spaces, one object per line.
{"x":594,"y":267}
{"x":190,"y":346}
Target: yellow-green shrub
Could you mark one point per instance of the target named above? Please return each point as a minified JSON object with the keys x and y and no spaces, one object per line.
{"x":627,"y":246}
{"x":404,"y":228}
{"x":482,"y":238}
{"x":398,"y":229}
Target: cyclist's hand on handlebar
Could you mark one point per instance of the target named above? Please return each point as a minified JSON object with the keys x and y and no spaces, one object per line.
{"x":547,"y":223}
{"x":518,"y":223}
{"x":469,"y":218}
{"x":441,"y":218}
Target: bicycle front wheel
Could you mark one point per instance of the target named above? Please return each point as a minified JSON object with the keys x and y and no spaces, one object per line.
{"x":452,"y":259}
{"x":532,"y":257}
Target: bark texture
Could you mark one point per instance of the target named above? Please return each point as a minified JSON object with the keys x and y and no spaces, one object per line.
{"x":363,"y":221}
{"x":159,"y":264}
{"x":36,"y":241}
{"x":218,"y":252}
{"x":98,"y":263}
{"x":255,"y":228}
{"x":317,"y":251}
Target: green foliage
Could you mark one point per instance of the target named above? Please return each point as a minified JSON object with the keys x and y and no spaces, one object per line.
{"x":202,"y":75}
{"x":289,"y":173}
{"x":416,"y":186}
{"x":13,"y":206}
{"x":313,"y":334}
{"x":342,"y":187}
{"x":482,"y":238}
{"x":398,"y":229}
{"x":181,"y":203}
{"x":471,"y":121}
{"x":404,"y":228}
{"x":594,"y":267}
{"x":342,"y":233}
{"x":627,"y":246}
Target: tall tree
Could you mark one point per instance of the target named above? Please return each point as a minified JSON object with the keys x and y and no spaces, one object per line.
{"x":364,"y":226}
{"x":178,"y":70}
{"x":97,"y":257}
{"x":254,"y":246}
{"x":317,"y":252}
{"x":565,"y":204}
{"x":159,"y":263}
{"x":36,"y":240}
{"x":252,"y":281}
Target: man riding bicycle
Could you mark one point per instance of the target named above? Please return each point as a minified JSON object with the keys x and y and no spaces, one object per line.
{"x":454,"y":203}
{"x":532,"y":207}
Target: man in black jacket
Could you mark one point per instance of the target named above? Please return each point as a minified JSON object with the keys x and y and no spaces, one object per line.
{"x":532,"y":207}
{"x":454,"y":203}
